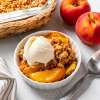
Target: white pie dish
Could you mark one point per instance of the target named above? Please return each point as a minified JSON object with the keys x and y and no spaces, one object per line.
{"x":26,"y":20}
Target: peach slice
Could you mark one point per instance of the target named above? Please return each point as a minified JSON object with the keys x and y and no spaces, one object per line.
{"x":71,"y":68}
{"x":47,"y":76}
{"x":23,"y":65}
{"x":29,"y":70}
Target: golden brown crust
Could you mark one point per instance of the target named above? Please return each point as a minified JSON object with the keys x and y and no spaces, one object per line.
{"x":12,"y":5}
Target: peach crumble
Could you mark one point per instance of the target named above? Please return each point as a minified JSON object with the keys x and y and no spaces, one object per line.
{"x":60,"y":66}
{"x":12,"y":5}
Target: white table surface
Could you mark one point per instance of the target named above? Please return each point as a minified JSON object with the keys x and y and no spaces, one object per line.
{"x":25,"y":92}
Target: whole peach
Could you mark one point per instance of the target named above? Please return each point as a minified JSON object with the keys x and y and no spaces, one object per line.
{"x":88,"y":28}
{"x":70,"y":10}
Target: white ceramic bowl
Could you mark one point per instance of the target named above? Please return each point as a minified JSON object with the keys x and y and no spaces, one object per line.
{"x":47,"y":86}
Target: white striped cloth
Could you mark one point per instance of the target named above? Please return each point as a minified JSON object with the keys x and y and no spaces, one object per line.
{"x":7,"y":83}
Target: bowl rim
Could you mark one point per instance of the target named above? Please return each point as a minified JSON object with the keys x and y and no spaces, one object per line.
{"x":57,"y":83}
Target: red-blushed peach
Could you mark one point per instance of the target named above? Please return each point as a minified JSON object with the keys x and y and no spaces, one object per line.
{"x":88,"y":28}
{"x":70,"y":10}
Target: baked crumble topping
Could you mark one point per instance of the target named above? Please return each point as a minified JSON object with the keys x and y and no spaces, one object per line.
{"x":12,"y":5}
{"x":64,"y":57}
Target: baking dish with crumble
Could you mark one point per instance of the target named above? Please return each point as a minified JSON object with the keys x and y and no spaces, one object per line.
{"x":18,"y":16}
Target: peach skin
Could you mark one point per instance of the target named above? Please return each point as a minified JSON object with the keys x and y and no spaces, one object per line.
{"x":88,"y":28}
{"x":70,"y":10}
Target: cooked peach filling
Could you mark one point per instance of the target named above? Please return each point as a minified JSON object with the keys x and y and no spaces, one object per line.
{"x":57,"y":69}
{"x":11,"y":5}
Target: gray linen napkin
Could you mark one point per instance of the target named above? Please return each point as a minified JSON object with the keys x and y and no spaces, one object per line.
{"x":7,"y":82}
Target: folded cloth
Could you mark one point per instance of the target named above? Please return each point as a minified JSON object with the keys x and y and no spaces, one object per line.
{"x":7,"y":83}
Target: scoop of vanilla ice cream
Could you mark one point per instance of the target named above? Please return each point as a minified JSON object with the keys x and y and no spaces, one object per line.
{"x":38,"y":50}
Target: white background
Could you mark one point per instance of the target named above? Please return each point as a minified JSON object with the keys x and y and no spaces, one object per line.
{"x":25,"y":92}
